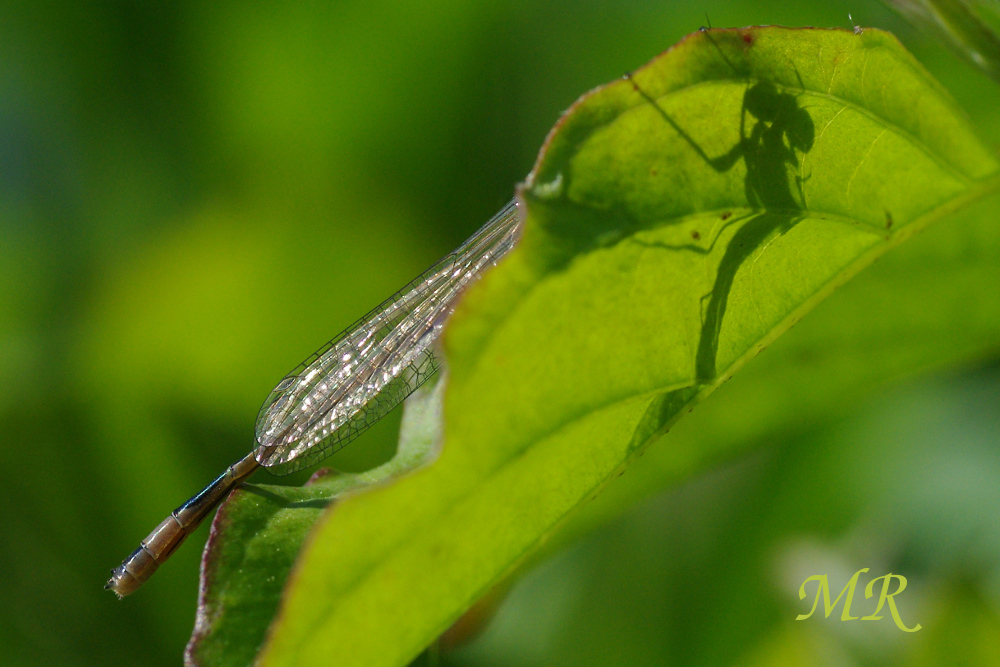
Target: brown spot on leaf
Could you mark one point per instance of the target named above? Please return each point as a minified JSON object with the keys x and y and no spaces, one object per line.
{"x":725,"y":216}
{"x":695,"y":235}
{"x":628,"y":77}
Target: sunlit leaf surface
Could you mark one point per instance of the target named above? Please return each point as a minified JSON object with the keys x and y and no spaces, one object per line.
{"x":678,"y":222}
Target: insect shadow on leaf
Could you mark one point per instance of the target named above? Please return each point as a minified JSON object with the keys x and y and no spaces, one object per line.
{"x":774,"y":131}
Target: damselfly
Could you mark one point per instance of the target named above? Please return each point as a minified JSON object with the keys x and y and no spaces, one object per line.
{"x":341,"y":389}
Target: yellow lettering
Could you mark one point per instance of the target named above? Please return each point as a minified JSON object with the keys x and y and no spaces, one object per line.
{"x":823,"y":588}
{"x":892,"y":603}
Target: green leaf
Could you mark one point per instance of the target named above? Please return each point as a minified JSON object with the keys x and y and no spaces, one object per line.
{"x":677,"y":223}
{"x":257,"y":533}
{"x":930,"y":304}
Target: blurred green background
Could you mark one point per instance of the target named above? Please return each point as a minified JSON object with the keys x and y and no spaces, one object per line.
{"x":194,"y":196}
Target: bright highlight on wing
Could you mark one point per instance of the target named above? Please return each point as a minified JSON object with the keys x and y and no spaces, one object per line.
{"x":340,"y":390}
{"x":358,"y":377}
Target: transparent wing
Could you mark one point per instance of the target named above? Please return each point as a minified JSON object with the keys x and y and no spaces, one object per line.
{"x":359,"y":376}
